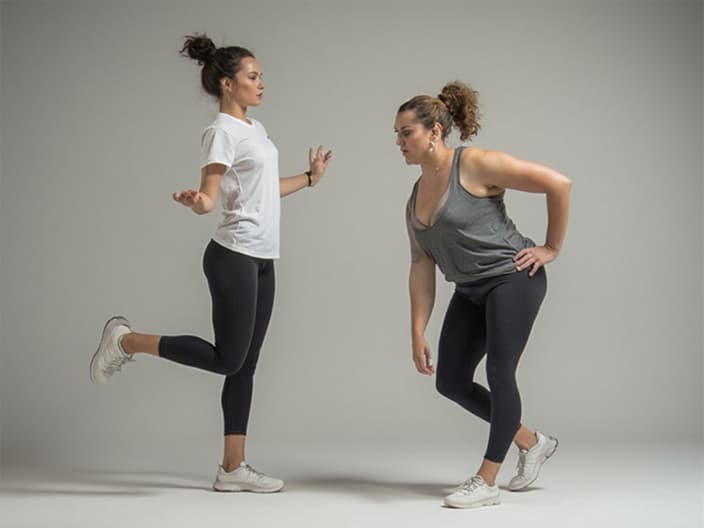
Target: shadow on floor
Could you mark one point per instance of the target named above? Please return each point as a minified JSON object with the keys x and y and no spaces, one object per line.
{"x":368,"y":488}
{"x":102,"y":483}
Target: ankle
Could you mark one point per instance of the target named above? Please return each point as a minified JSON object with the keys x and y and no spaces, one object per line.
{"x":527,"y":441}
{"x":232,"y":464}
{"x":125,"y":343}
{"x":489,"y":479}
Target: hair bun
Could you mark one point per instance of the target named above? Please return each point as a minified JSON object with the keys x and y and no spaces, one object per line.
{"x":199,"y":47}
{"x":462,"y":102}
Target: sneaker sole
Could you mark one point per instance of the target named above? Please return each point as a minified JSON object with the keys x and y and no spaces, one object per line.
{"x":239,"y":489}
{"x":490,"y":502}
{"x":547,"y":455}
{"x":110,"y":325}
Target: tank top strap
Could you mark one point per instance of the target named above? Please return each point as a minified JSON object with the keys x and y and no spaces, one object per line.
{"x":455,"y":171}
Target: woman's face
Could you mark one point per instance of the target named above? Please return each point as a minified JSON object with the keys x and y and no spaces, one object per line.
{"x":412,"y":137}
{"x":248,"y":88}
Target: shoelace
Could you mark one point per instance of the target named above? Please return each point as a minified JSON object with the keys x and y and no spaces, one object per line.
{"x":471,"y":484}
{"x":521,"y":465}
{"x":254,"y":473}
{"x":523,"y":461}
{"x":116,"y":364}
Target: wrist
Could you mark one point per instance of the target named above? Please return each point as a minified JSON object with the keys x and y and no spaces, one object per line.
{"x":309,"y":175}
{"x":551,"y":247}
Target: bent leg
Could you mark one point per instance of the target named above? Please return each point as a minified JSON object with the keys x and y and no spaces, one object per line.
{"x":461,"y":348}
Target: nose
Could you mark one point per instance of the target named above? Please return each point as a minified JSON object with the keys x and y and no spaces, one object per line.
{"x":398,"y":140}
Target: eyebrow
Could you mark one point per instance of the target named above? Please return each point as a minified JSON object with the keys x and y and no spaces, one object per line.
{"x":402,"y":128}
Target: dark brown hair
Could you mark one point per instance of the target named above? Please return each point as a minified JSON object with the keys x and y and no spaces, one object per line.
{"x":217,"y":62}
{"x":457,"y":105}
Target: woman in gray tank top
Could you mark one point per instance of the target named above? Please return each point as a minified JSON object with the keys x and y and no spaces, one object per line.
{"x":457,"y":220}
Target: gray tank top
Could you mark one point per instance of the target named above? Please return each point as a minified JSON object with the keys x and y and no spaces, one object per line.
{"x":471,"y":238}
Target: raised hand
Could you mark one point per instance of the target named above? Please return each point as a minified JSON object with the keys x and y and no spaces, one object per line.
{"x":318,"y":163}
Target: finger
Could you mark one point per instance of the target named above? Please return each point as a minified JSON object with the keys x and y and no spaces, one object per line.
{"x":176,"y":196}
{"x":520,"y":254}
{"x":535,"y":268}
{"x":525,"y":261}
{"x":310,"y":155}
{"x":319,"y":152}
{"x":418,"y":363}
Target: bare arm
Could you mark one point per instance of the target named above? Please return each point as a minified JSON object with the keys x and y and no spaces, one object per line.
{"x":318,"y":164}
{"x":292,"y":184}
{"x":203,"y":200}
{"x":496,"y":169}
{"x":421,"y":282}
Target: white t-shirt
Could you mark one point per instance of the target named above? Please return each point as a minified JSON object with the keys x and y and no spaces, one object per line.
{"x":249,"y":189}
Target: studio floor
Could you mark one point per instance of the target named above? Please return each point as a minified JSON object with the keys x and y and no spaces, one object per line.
{"x":589,"y":485}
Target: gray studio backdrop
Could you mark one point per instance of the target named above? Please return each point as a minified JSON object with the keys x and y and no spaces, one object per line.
{"x":101,"y":121}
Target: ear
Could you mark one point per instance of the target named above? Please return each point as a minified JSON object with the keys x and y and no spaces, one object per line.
{"x":437,"y":130}
{"x":226,"y":84}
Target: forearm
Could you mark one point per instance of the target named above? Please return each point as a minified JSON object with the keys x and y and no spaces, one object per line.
{"x":422,"y":292}
{"x":204,"y":205}
{"x":558,"y":203}
{"x":292,"y":184}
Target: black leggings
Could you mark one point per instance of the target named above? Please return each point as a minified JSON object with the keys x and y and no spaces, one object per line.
{"x":494,"y":317}
{"x":242,"y":291}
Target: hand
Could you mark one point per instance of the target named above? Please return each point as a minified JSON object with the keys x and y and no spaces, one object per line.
{"x":318,"y":163}
{"x":535,"y":256}
{"x":190,"y":198}
{"x":422,"y":356}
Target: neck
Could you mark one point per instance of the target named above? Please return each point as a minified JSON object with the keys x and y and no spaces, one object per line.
{"x":234,"y":109}
{"x":437,"y":163}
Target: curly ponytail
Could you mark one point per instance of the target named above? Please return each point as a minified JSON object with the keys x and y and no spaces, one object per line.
{"x":462,"y":103}
{"x":457,"y":105}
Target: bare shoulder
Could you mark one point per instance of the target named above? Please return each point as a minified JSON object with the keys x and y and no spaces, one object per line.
{"x":475,"y":163}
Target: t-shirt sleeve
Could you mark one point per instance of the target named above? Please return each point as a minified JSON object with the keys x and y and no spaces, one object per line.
{"x":217,"y":146}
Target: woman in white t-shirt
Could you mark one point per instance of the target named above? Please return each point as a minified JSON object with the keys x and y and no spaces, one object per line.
{"x":240,"y":163}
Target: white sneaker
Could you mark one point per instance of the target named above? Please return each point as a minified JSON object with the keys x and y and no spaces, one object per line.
{"x":245,"y":478}
{"x":473,"y":493}
{"x":531,"y":460}
{"x":110,"y":357}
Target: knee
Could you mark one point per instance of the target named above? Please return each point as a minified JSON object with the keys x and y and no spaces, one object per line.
{"x":500,"y":377}
{"x":447,"y":386}
{"x":231,"y":363}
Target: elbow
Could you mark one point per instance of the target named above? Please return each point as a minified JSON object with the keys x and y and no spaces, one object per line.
{"x":560,"y":186}
{"x":208,"y":210}
{"x":565,"y":184}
